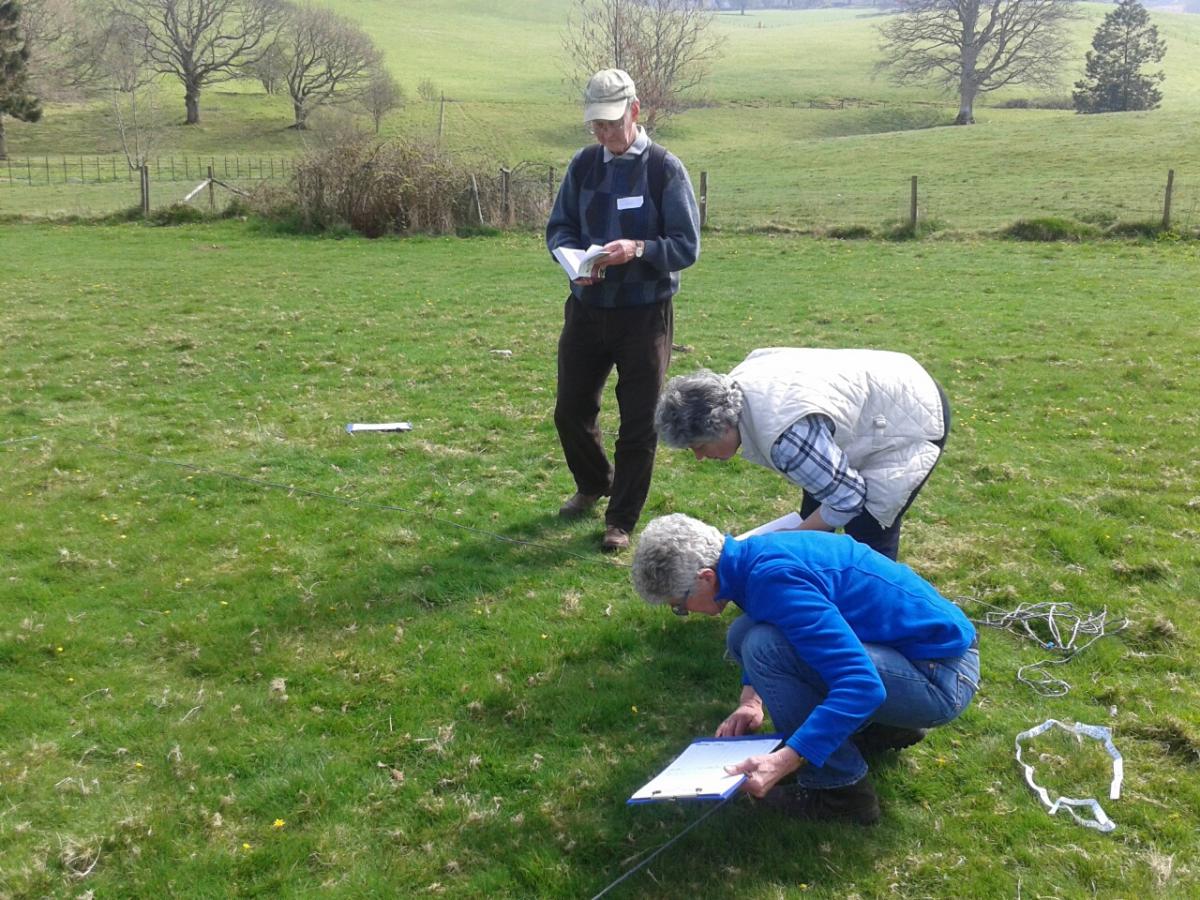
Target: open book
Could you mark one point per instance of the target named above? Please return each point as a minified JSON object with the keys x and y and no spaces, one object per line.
{"x":578,"y":263}
{"x":698,"y":773}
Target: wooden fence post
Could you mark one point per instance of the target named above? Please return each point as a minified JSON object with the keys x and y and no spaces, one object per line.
{"x":550,"y":186}
{"x":912,"y":206}
{"x":1167,"y":199}
{"x":475,"y":197}
{"x":212,"y":193}
{"x":703,"y":199}
{"x":506,"y":195}
{"x":145,"y":170}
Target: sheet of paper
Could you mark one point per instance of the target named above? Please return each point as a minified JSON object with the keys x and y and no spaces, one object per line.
{"x":699,"y":772}
{"x":784,"y":523}
{"x":378,"y":426}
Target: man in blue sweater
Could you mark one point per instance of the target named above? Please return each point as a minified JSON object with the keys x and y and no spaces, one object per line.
{"x":851,"y":652}
{"x":634,"y":199}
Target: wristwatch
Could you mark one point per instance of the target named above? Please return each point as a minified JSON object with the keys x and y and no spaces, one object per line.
{"x":639,"y":248}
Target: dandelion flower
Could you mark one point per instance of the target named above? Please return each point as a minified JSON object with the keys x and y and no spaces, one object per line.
{"x":278,"y":823}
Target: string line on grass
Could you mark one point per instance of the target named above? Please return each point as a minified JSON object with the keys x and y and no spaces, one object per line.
{"x":345,"y":501}
{"x":652,"y":856}
{"x":1063,"y":629}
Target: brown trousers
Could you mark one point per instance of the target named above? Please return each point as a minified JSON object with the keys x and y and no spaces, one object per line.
{"x":637,"y":340}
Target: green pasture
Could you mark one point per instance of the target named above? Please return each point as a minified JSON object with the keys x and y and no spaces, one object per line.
{"x":243,"y":653}
{"x":772,"y":160}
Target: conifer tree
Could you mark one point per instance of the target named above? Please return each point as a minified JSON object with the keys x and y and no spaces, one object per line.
{"x":1124,"y":42}
{"x":15,"y":98}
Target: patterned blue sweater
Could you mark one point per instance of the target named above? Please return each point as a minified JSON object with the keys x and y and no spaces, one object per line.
{"x":586,"y":212}
{"x":829,"y":595}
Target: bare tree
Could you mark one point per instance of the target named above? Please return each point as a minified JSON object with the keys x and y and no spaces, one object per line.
{"x":330,"y":59}
{"x":665,"y":45}
{"x":381,"y":95}
{"x":48,"y":27}
{"x":201,"y":42}
{"x":270,"y":68}
{"x":976,"y":46}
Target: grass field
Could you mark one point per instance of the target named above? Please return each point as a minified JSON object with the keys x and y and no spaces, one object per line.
{"x":243,"y":653}
{"x":769,"y":163}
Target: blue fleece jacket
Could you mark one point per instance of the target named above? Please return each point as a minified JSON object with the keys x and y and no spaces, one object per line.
{"x":830,"y":595}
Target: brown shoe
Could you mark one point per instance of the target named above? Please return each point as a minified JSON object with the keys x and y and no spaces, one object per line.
{"x":855,"y":803}
{"x":615,"y":539}
{"x":578,"y":505}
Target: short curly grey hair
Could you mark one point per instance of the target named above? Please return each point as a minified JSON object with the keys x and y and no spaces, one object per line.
{"x":697,"y":408}
{"x":670,"y":554}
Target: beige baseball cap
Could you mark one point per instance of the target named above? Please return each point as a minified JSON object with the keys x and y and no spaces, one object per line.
{"x":607,"y":94}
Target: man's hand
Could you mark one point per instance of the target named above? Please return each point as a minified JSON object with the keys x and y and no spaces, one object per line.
{"x":764,"y":772}
{"x":620,"y":251}
{"x":746,"y":719}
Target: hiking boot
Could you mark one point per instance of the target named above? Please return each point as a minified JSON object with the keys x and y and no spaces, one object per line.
{"x":878,"y":738}
{"x":578,"y":505}
{"x":615,"y":539}
{"x":855,"y":803}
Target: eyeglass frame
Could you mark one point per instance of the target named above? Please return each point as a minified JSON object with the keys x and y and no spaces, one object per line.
{"x":595,"y":125}
{"x":680,"y":608}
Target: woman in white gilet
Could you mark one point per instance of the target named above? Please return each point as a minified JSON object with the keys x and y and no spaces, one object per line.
{"x":858,"y":430}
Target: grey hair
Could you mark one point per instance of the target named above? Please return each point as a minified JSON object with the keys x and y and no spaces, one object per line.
{"x":670,"y":554}
{"x":697,"y":408}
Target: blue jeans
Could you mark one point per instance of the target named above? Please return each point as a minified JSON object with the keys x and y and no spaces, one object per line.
{"x":921,"y":693}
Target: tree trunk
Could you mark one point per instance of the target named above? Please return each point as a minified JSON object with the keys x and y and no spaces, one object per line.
{"x":301,"y":116}
{"x":968,"y":80}
{"x":966,"y":103}
{"x":3,"y":141}
{"x":191,"y":99}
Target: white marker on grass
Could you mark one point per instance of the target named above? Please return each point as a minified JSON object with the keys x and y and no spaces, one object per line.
{"x":378,"y":426}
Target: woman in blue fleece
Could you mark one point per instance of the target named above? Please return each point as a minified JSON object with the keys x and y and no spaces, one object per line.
{"x":850,"y":652}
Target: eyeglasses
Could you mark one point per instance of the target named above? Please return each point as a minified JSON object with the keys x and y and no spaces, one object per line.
{"x":598,"y":125}
{"x":680,"y":608}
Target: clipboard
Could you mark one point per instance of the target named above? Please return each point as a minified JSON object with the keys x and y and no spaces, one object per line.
{"x":698,"y":773}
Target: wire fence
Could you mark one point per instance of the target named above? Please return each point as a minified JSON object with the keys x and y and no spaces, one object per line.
{"x":523,"y":194}
{"x":43,"y":171}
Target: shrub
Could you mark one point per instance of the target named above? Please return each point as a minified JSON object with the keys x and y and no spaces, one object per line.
{"x":175,"y":214}
{"x":1050,"y":229}
{"x":904,"y":231}
{"x":1148,"y":229}
{"x":1046,"y":101}
{"x":849,"y":232}
{"x":378,"y":187}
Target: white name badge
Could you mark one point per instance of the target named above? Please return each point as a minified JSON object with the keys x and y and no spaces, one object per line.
{"x":629,"y":203}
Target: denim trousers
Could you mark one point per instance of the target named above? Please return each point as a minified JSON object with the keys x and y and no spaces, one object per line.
{"x":921,"y":693}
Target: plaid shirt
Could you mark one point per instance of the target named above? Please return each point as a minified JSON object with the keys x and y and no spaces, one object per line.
{"x":807,"y":455}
